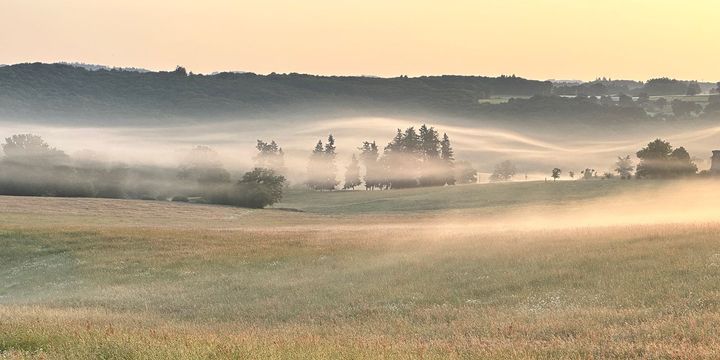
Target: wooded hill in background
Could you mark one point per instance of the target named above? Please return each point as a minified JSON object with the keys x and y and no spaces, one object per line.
{"x":50,"y":92}
{"x":64,"y":91}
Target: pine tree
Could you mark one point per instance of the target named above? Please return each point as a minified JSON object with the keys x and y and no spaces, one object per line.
{"x":373,"y":170}
{"x":330,"y":171}
{"x":430,"y":150}
{"x":447,"y":156}
{"x":396,"y":144}
{"x":411,"y":142}
{"x":402,"y":159}
{"x":352,"y":174}
{"x":316,"y":167}
{"x":330,"y":146}
{"x":429,"y":142}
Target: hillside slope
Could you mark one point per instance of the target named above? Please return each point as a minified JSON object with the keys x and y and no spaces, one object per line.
{"x":64,"y":91}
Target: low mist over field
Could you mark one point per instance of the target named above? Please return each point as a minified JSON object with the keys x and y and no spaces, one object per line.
{"x":535,"y":151}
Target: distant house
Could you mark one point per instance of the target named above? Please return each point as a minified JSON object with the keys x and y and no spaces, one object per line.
{"x":715,"y":166}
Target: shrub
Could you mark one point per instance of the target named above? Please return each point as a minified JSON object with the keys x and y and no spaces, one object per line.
{"x":257,"y":189}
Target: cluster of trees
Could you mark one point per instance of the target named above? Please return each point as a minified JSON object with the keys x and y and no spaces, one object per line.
{"x":413,"y":158}
{"x":598,"y":87}
{"x":642,"y":106}
{"x":31,"y":167}
{"x":654,"y":87}
{"x":667,"y":86}
{"x":560,"y":109}
{"x":658,"y":160}
{"x":606,"y":108}
{"x":322,"y":170}
{"x":263,"y":186}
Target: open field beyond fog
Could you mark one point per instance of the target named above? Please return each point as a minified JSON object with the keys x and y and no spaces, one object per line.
{"x":595,"y":269}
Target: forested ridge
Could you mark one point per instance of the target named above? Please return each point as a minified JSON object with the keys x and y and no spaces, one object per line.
{"x":59,"y":90}
{"x":98,"y":95}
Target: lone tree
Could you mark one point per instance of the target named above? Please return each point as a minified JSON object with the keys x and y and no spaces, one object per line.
{"x":264,"y":185}
{"x":202,"y":164}
{"x":659,"y":160}
{"x":257,"y":188}
{"x":571,"y":174}
{"x":331,"y":169}
{"x":556,"y":173}
{"x":465,"y":173}
{"x":352,"y":174}
{"x":447,"y":155}
{"x":624,"y":167}
{"x":504,"y":171}
{"x":316,"y":167}
{"x":30,"y":149}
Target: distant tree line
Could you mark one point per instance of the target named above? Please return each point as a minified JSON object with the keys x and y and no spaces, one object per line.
{"x":31,"y":167}
{"x":75,"y":93}
{"x":654,"y":87}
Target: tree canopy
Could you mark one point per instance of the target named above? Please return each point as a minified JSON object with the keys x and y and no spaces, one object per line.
{"x":504,"y":171}
{"x":659,"y":160}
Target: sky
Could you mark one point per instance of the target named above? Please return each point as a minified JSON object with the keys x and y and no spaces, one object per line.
{"x":539,"y":39}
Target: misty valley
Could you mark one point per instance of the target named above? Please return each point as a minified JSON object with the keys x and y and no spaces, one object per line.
{"x":171,"y":214}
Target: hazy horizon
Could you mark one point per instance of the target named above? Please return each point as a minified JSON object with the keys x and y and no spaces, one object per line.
{"x":561,"y":80}
{"x":525,"y":38}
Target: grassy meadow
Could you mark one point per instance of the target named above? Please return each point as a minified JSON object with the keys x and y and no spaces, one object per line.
{"x":522,"y":270}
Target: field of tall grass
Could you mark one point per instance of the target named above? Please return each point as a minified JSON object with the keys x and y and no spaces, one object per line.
{"x":564,"y":270}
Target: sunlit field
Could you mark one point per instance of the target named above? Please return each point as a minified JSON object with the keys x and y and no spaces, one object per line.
{"x":581,"y":269}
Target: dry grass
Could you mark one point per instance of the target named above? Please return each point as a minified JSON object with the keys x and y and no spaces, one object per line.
{"x":109,"y":279}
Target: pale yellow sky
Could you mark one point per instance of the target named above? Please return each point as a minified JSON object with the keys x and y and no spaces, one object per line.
{"x":542,"y":39}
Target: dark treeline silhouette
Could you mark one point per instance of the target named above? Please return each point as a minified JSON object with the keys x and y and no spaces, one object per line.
{"x":653,"y":87}
{"x":564,"y":108}
{"x":92,"y":94}
{"x":72,"y":92}
{"x":598,"y":87}
{"x":609,"y":110}
{"x":31,"y":167}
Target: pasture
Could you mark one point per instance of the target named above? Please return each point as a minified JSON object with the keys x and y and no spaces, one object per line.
{"x":554,"y":270}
